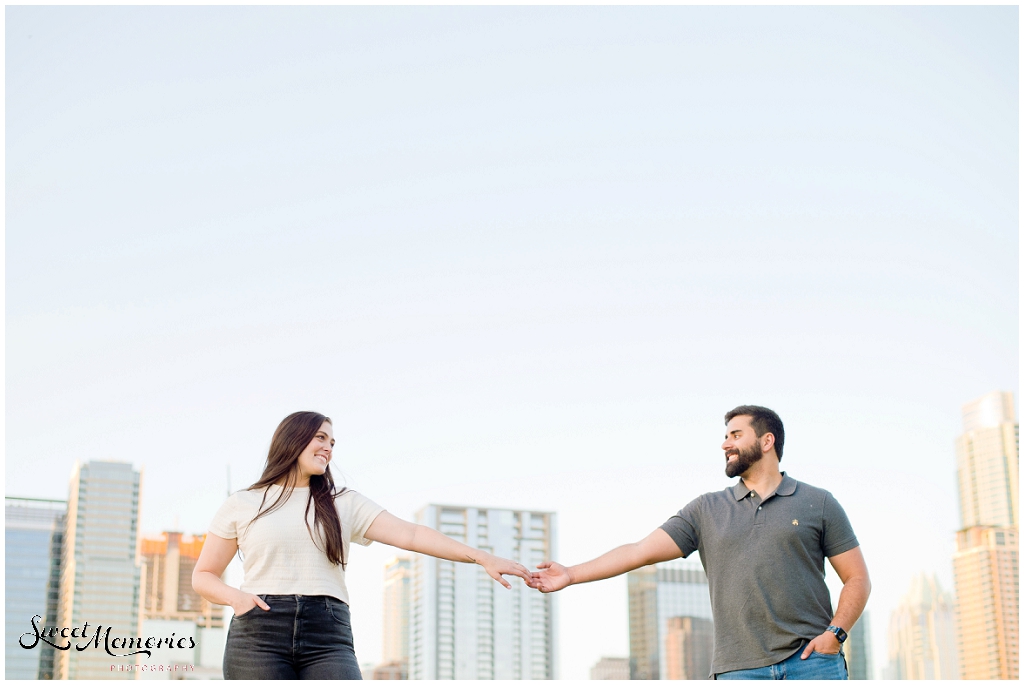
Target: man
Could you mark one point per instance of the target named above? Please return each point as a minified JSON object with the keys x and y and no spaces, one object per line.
{"x":763,"y":543}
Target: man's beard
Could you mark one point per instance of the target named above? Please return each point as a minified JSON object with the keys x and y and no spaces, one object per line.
{"x":744,"y":460}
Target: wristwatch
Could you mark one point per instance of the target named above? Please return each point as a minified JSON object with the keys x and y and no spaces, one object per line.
{"x":838,"y":632}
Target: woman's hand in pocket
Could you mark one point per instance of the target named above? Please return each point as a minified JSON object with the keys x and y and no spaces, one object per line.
{"x":247,"y":602}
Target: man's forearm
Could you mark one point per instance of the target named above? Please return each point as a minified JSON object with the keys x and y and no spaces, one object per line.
{"x":657,"y":546}
{"x":852,"y":600}
{"x":610,"y":564}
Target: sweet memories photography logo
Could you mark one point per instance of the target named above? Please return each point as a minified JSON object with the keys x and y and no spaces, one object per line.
{"x":82,"y":639}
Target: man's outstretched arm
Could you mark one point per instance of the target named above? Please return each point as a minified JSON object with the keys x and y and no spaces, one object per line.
{"x":657,"y":546}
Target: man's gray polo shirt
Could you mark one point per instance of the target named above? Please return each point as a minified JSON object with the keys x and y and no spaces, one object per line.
{"x":765,"y":562}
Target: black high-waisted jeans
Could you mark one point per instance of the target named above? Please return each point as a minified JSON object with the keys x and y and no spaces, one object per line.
{"x":301,"y":637}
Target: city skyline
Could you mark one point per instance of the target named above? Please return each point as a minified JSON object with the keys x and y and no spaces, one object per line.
{"x":912,"y":655}
{"x":523,"y":257}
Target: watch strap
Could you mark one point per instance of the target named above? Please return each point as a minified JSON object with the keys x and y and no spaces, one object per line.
{"x":840,"y":634}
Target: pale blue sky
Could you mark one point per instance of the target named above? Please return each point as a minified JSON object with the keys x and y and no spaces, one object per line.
{"x":522,"y":256}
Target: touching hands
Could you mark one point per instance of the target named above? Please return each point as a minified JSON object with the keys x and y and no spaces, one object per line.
{"x":551,"y":577}
{"x":496,"y":567}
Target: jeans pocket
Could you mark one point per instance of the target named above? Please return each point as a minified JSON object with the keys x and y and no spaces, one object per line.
{"x":817,"y":666}
{"x":256,"y":609}
{"x":338,"y":610}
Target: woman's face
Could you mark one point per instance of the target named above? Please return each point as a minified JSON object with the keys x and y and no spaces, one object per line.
{"x":314,"y":459}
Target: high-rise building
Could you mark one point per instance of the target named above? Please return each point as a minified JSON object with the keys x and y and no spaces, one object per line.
{"x":988,"y":603}
{"x":33,"y":531}
{"x":689,"y":646}
{"x":859,"y":662}
{"x":921,"y":634}
{"x":610,"y":668}
{"x":100,"y":576}
{"x":464,"y":625}
{"x":397,"y":608}
{"x":171,"y":607}
{"x":658,"y":594}
{"x":985,"y":564}
{"x":48,"y":658}
{"x":988,"y":462}
{"x":169,"y":560}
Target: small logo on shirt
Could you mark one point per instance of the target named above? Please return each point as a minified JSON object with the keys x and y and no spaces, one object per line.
{"x":795,"y":522}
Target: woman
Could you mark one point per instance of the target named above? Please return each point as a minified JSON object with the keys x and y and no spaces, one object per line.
{"x":293,"y":530}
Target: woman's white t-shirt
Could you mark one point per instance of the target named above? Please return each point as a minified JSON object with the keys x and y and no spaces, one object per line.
{"x":278,"y":555}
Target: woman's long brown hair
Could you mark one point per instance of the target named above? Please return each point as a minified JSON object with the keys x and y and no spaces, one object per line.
{"x":290,"y":439}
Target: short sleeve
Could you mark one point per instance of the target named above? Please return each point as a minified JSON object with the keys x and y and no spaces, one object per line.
{"x":684,"y":528}
{"x":225,"y":521}
{"x":838,"y":534}
{"x":357,"y":513}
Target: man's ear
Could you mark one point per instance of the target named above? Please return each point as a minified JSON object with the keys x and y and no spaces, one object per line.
{"x":767,"y":442}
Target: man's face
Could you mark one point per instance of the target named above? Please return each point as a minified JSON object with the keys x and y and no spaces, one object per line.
{"x":742,"y":448}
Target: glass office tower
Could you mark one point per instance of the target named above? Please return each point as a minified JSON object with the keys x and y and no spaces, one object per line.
{"x":671,"y":632}
{"x":33,"y":532}
{"x":100,"y":573}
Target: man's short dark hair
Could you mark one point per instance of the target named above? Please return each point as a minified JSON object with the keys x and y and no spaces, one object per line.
{"x":764,"y":420}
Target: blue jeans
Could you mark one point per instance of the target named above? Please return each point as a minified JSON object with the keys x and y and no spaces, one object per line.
{"x":817,"y":666}
{"x":302,"y":637}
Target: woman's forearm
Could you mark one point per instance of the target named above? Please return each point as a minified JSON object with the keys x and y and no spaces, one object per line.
{"x":392,"y":530}
{"x":429,"y":541}
{"x":213,"y":589}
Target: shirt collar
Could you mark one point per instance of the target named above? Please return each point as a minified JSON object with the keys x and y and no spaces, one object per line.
{"x":786,"y":487}
{"x":740,"y":490}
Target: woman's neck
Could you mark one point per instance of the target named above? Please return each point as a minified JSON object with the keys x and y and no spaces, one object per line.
{"x":293,"y":480}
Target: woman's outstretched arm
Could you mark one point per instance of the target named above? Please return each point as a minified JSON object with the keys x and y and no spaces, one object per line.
{"x":396,"y":532}
{"x":213,"y":560}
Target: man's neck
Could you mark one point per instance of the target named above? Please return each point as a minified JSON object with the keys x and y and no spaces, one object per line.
{"x":763,"y":478}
